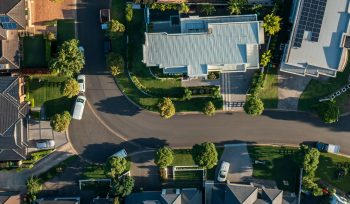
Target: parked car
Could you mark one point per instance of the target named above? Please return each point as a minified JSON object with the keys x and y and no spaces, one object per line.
{"x":45,"y":144}
{"x":81,"y":82}
{"x":79,"y":108}
{"x":121,"y":153}
{"x":107,"y":45}
{"x":105,"y":17}
{"x":82,"y":50}
{"x":324,"y":147}
{"x":222,"y":176}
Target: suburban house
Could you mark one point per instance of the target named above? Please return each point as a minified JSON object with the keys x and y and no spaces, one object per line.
{"x":13,"y":123}
{"x":166,"y":196}
{"x":320,"y":38}
{"x":228,"y":193}
{"x":10,"y":197}
{"x":12,"y":19}
{"x":195,"y":46}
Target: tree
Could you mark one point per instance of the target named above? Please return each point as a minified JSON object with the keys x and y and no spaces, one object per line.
{"x":254,"y":106}
{"x":70,"y":59}
{"x":122,"y":187}
{"x":164,"y":157}
{"x":208,"y":9}
{"x":329,"y":111}
{"x":184,"y":8}
{"x":128,"y":12}
{"x":166,"y":108}
{"x":205,"y":155}
{"x":60,"y":122}
{"x":115,"y":166}
{"x":310,"y":163}
{"x":71,"y":88}
{"x":266,"y":58}
{"x":216,"y":93}
{"x":187,"y":94}
{"x":33,"y":188}
{"x":272,"y":24}
{"x":115,"y":63}
{"x":209,"y":109}
{"x":50,"y":36}
{"x":115,"y":29}
{"x":236,"y":6}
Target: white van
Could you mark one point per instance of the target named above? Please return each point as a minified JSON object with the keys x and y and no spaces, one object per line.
{"x":79,"y":108}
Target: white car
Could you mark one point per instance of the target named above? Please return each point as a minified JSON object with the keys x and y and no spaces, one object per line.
{"x":121,"y":153}
{"x":81,"y":48}
{"x":45,"y":144}
{"x":222,"y":176}
{"x":79,"y":108}
{"x":81,"y":82}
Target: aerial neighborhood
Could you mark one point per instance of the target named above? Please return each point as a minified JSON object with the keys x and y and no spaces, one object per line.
{"x":174,"y":102}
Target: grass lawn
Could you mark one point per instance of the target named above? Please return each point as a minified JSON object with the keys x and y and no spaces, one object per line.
{"x":48,"y":93}
{"x":327,"y":171}
{"x":183,"y":157}
{"x":278,"y":160}
{"x":269,"y":95}
{"x":34,"y":52}
{"x":94,"y":172}
{"x":65,"y":30}
{"x":317,"y":89}
{"x":189,"y":175}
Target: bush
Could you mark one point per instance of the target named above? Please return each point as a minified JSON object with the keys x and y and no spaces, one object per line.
{"x":50,"y":36}
{"x":254,"y":106}
{"x":166,"y":108}
{"x":122,"y":187}
{"x":329,"y":111}
{"x":71,"y":88}
{"x":257,"y":83}
{"x":115,"y":29}
{"x":187,"y":94}
{"x":164,"y":6}
{"x":115,"y":63}
{"x":205,"y":155}
{"x":33,"y":188}
{"x":128,"y":12}
{"x":216,"y":93}
{"x":164,"y":157}
{"x":208,"y":9}
{"x":209,"y":109}
{"x":212,"y":76}
{"x":115,"y":166}
{"x":60,"y":122}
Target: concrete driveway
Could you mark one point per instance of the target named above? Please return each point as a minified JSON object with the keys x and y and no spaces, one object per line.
{"x":241,"y":168}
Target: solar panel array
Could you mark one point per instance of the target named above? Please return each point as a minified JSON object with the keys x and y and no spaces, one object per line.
{"x":7,"y":23}
{"x":310,"y":20}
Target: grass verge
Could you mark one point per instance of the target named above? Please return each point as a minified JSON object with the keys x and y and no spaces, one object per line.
{"x":269,"y":95}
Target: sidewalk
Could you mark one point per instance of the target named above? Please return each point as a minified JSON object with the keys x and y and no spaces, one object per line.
{"x":15,"y":181}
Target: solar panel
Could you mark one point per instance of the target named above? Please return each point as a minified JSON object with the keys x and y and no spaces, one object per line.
{"x":4,"y":19}
{"x":9,"y":26}
{"x":310,"y":19}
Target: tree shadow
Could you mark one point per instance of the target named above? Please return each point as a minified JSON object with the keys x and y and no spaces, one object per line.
{"x":119,"y":105}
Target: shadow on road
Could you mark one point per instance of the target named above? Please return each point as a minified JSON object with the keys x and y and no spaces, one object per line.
{"x":117,"y":105}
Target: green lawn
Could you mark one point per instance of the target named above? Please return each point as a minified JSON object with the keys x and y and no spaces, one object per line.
{"x":34,"y":52}
{"x":189,"y":175}
{"x":327,"y":171}
{"x":317,"y":89}
{"x":47,"y":92}
{"x":65,"y":30}
{"x":269,"y":95}
{"x":183,"y":157}
{"x":279,"y":165}
{"x":94,"y":172}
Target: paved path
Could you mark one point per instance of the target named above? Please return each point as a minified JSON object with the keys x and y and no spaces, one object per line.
{"x":111,"y":121}
{"x":241,"y":168}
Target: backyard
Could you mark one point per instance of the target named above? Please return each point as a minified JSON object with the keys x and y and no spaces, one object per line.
{"x":36,"y":59}
{"x":47,"y":93}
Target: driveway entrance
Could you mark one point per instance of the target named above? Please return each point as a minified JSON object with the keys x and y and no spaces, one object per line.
{"x":234,"y":87}
{"x":241,"y":168}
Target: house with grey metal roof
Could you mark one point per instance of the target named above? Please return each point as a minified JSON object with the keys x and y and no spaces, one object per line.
{"x":320,"y":38}
{"x":205,"y":44}
{"x":229,"y":193}
{"x":166,"y":196}
{"x":12,"y":19}
{"x":13,"y":123}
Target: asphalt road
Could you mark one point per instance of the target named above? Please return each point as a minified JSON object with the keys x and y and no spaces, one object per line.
{"x":110,"y":121}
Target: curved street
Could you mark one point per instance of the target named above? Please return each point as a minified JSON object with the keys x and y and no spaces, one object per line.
{"x":110,"y":121}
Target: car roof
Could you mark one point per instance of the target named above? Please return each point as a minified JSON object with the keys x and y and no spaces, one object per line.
{"x":81,"y":76}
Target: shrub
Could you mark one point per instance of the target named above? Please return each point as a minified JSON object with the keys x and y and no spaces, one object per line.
{"x":128,"y":12}
{"x":212,"y":76}
{"x":184,"y":8}
{"x":115,"y":29}
{"x":71,"y":88}
{"x":208,"y":9}
{"x":329,"y":111}
{"x":166,"y":108}
{"x":205,"y":155}
{"x":216,"y":93}
{"x":254,"y":106}
{"x":209,"y":109}
{"x":164,"y":157}
{"x":115,"y":166}
{"x":50,"y":36}
{"x":33,"y":188}
{"x":187,"y":94}
{"x":60,"y":122}
{"x":115,"y":60}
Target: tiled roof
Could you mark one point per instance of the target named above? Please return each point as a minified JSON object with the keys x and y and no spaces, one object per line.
{"x":9,"y":52}
{"x":238,"y":193}
{"x":15,"y":9}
